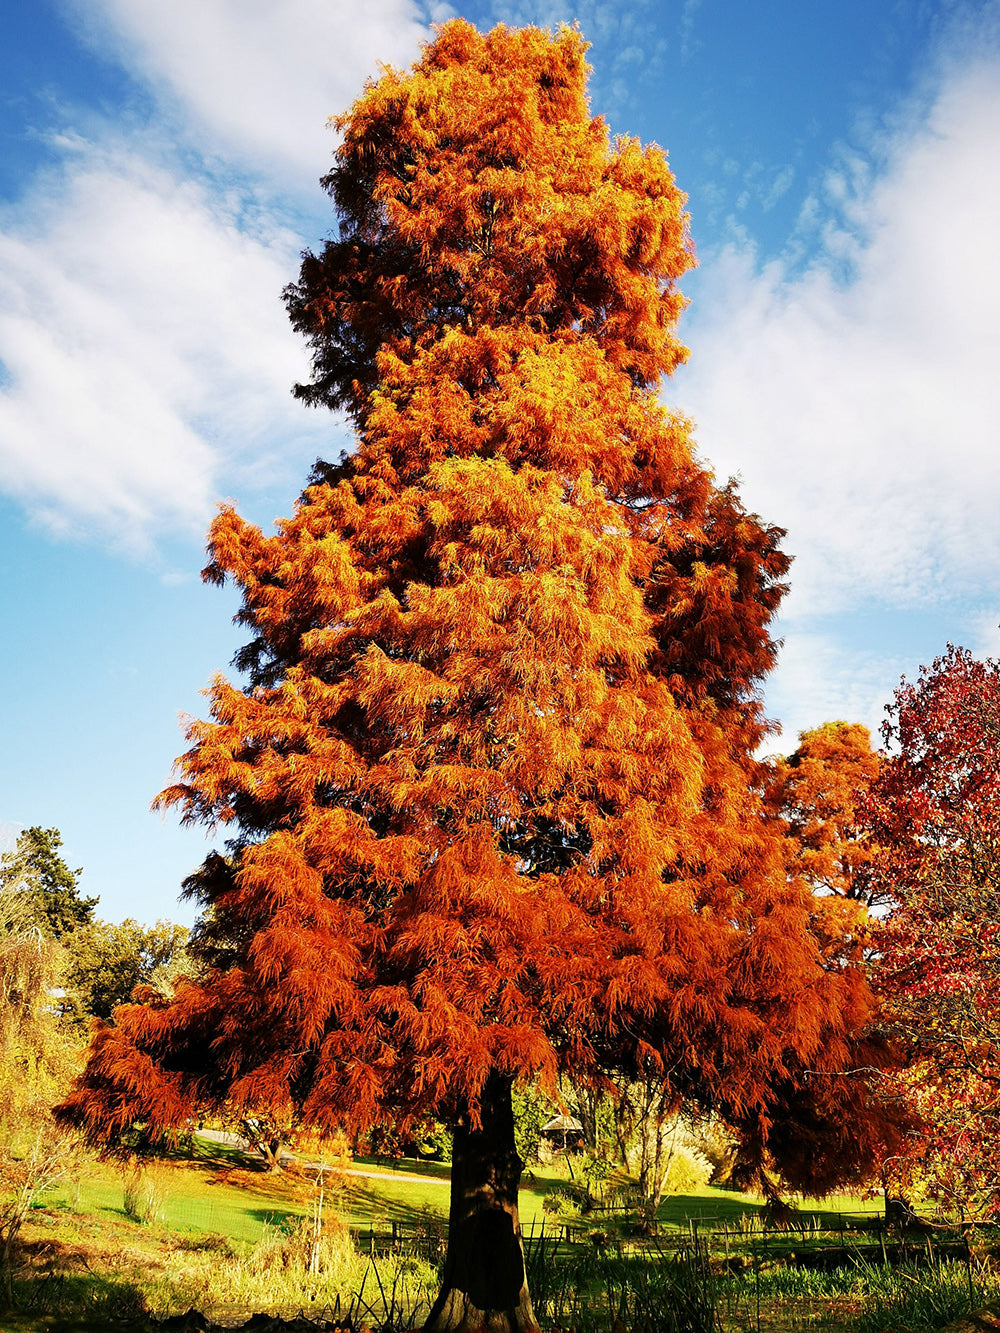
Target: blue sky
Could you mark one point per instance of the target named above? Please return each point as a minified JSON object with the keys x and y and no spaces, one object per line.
{"x":158,"y":179}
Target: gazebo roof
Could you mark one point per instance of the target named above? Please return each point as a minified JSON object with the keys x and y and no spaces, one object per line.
{"x":563,"y":1124}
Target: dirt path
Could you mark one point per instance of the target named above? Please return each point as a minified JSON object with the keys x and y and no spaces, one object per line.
{"x":231,"y":1140}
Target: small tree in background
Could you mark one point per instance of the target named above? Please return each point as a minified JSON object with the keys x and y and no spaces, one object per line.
{"x":108,"y":960}
{"x":532,"y":1111}
{"x":490,"y":790}
{"x":35,"y":870}
{"x":822,"y":791}
{"x":820,"y":797}
{"x":936,"y":816}
{"x":820,"y":794}
{"x":36,"y":1065}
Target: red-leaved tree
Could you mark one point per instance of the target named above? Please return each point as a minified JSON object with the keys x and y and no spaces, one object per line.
{"x":489,"y":783}
{"x":936,"y":816}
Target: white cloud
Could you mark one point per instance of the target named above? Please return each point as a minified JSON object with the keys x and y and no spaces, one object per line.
{"x":822,"y":678}
{"x":251,"y":76}
{"x":148,"y":359}
{"x":689,"y":43}
{"x":984,"y":634}
{"x":145,"y":358}
{"x":862,"y":410}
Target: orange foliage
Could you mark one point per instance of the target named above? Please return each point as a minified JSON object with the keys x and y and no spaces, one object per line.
{"x":490,"y":784}
{"x":832,"y":1130}
{"x":820,"y":793}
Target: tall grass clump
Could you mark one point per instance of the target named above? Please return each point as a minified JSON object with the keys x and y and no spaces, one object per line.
{"x":922,"y":1296}
{"x":790,"y":1282}
{"x":660,"y":1293}
{"x":143,"y":1189}
{"x":591,"y":1290}
{"x":294,"y":1268}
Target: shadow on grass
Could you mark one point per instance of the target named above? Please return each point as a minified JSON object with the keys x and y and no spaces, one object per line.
{"x":55,"y":1289}
{"x":681,"y":1209}
{"x":215,"y":1156}
{"x":406,"y":1166}
{"x":364,"y":1207}
{"x":282,"y":1219}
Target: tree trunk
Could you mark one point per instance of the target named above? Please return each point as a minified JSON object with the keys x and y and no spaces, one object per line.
{"x":586,"y":1104}
{"x":484,"y":1286}
{"x":271,"y":1151}
{"x":270,"y":1146}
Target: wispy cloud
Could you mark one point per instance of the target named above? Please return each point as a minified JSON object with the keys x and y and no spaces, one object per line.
{"x":255,"y":80}
{"x":859,"y":397}
{"x":689,"y":43}
{"x":146,"y":352}
{"x":822,"y":679}
{"x":146,"y":360}
{"x":853,"y":386}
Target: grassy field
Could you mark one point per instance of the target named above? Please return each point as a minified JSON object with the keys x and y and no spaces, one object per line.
{"x":218,"y":1191}
{"x":225,"y":1236}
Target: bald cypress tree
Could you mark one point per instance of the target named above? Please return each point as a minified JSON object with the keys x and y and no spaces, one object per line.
{"x":490,"y":784}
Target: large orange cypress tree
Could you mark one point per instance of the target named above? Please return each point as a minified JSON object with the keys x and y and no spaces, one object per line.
{"x":490,"y":789}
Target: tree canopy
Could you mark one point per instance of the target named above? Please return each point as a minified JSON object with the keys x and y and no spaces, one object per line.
{"x":108,"y":960}
{"x":489,"y":785}
{"x":820,"y":794}
{"x":35,"y":871}
{"x":37,"y":1062}
{"x":935,"y":814}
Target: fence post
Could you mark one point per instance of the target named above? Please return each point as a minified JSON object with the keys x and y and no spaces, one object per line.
{"x":966,"y":1231}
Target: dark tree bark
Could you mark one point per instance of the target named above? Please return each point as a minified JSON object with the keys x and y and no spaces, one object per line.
{"x":484,"y":1284}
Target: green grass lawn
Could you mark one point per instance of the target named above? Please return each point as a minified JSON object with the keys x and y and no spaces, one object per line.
{"x":216,"y":1207}
{"x":191,"y":1202}
{"x":214,"y":1192}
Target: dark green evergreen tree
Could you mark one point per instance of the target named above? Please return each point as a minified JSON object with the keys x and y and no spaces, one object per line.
{"x":35,"y":870}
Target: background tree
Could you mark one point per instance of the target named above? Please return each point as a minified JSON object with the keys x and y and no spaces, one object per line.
{"x":490,"y":786}
{"x":936,"y":816}
{"x":35,"y":870}
{"x":651,"y":1130}
{"x":109,"y":960}
{"x":36,"y":1064}
{"x":532,"y":1110}
{"x":821,"y":791}
{"x":820,"y":794}
{"x":820,"y":797}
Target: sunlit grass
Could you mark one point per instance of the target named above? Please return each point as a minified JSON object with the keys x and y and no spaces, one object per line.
{"x":220,"y":1194}
{"x":227,"y":1238}
{"x":194,"y":1199}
